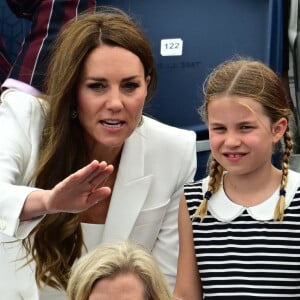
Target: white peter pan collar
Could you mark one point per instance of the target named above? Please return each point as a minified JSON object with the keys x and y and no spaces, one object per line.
{"x":223,"y":209}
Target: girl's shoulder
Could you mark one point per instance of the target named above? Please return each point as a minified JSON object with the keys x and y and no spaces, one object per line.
{"x":201,"y":183}
{"x":293,"y":184}
{"x":195,"y":190}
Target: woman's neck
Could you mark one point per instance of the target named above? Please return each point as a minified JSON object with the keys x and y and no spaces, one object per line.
{"x":111,"y":156}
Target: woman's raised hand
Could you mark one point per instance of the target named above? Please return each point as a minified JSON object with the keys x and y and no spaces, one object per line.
{"x":74,"y":194}
{"x":80,"y":190}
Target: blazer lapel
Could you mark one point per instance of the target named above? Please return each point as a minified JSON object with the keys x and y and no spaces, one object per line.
{"x":130,"y":190}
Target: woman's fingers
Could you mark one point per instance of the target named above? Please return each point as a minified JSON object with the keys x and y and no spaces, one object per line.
{"x":98,"y":195}
{"x":90,"y":176}
{"x":99,"y":177}
{"x":81,"y":189}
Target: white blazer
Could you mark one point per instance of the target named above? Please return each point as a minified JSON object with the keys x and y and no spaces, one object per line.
{"x":156,"y":161}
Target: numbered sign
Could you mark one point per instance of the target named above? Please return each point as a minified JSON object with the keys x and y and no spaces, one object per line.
{"x":171,"y":47}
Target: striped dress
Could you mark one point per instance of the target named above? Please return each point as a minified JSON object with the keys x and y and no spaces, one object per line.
{"x":242,"y":253}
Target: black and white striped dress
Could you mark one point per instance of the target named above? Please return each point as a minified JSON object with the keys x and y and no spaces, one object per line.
{"x":241,"y":252}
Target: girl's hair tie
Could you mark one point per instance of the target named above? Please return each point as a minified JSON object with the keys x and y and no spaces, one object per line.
{"x":207,"y":195}
{"x":282,"y":192}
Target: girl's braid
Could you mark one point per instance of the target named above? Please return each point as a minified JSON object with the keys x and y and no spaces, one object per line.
{"x":215,"y":177}
{"x":279,"y":210}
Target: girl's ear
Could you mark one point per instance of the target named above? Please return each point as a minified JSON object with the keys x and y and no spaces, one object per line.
{"x":278,"y":129}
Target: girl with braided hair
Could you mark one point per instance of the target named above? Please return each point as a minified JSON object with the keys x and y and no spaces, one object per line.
{"x":239,"y":234}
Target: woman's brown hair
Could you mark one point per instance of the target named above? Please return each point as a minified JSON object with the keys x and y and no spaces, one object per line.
{"x":57,"y":241}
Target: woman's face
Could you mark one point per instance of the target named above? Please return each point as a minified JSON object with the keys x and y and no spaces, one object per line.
{"x":125,"y":286}
{"x":111,"y":96}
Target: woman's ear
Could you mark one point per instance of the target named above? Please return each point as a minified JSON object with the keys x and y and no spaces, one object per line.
{"x":278,"y":129}
{"x":148,"y":79}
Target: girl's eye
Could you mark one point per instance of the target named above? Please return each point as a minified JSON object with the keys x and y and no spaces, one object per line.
{"x":218,"y":129}
{"x":246,"y":127}
{"x":131,"y":86}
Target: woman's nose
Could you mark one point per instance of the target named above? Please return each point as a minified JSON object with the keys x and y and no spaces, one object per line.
{"x":114,"y":99}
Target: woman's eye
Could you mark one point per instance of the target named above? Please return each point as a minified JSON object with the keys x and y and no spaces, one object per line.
{"x":96,"y":86}
{"x":131,"y":86}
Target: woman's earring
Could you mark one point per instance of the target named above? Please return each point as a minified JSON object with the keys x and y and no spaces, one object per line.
{"x":141,"y":121}
{"x":74,"y":114}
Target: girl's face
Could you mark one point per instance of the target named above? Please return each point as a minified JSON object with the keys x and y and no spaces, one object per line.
{"x":111,"y":96}
{"x":124,"y":286}
{"x":241,"y":134}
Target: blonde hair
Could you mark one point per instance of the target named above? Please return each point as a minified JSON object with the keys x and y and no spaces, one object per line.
{"x":253,"y":79}
{"x":111,"y":259}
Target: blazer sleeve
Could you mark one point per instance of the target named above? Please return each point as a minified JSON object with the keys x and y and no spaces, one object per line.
{"x":166,"y":246}
{"x":21,"y":121}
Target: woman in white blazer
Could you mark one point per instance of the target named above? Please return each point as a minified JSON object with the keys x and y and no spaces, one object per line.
{"x":131,"y":168}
